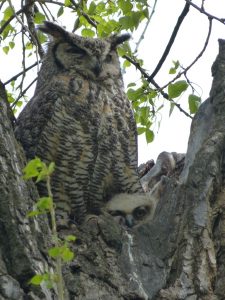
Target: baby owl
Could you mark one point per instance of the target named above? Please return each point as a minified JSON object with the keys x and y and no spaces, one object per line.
{"x":132,"y":210}
{"x":80,"y":118}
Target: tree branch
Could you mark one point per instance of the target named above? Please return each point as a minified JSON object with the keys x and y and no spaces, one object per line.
{"x":20,"y":73}
{"x":171,"y":40}
{"x":202,"y":10}
{"x":152,"y":81}
{"x":196,"y":59}
{"x":23,"y":93}
{"x":31,"y":26}
{"x":146,"y":27}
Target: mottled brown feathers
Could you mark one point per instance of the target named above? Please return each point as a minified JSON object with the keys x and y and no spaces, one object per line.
{"x":80,"y":118}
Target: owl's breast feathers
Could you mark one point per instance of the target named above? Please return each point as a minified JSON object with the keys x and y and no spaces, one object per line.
{"x":83,"y":122}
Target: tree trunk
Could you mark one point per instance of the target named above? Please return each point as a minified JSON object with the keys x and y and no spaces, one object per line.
{"x":180,"y":254}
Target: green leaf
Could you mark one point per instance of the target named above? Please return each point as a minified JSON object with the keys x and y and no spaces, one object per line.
{"x":86,"y":32}
{"x":67,"y":254}
{"x":92,"y":8}
{"x":11,"y":45}
{"x":194,"y":103}
{"x":41,"y":37}
{"x":121,"y":51}
{"x":29,"y":46}
{"x":6,"y":49}
{"x":125,"y":6}
{"x":60,"y":11}
{"x":126,"y":64}
{"x":19,"y":103}
{"x":36,"y":279}
{"x":141,"y":130}
{"x":34,"y":213}
{"x":172,"y":105}
{"x":144,"y":114}
{"x":126,"y":22}
{"x":39,"y":18}
{"x":8,"y":30}
{"x":176,"y":89}
{"x":149,"y":134}
{"x":67,"y":2}
{"x":131,"y":84}
{"x":100,"y":7}
{"x":152,"y":94}
{"x":37,"y":168}
{"x":45,"y":204}
{"x":33,"y":168}
{"x":134,"y":95}
{"x":70,"y":238}
{"x":137,"y":17}
{"x":51,"y":168}
{"x":54,"y":252}
{"x":173,"y":69}
{"x":8,"y":13}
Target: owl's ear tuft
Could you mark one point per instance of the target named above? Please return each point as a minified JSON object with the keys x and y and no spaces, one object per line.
{"x":119,"y":39}
{"x":56,"y":31}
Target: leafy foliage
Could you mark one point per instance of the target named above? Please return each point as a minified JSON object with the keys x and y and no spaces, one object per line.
{"x":177,"y":88}
{"x":194,"y":103}
{"x":60,"y":251}
{"x":91,"y":19}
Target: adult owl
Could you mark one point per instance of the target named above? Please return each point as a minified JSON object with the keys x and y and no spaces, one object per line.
{"x":80,"y":118}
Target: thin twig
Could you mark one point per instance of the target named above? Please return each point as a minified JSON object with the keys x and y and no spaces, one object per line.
{"x":202,"y":10}
{"x":23,"y":93}
{"x":49,"y":11}
{"x":13,"y":17}
{"x":20,"y":86}
{"x":59,"y":283}
{"x":20,"y":73}
{"x":36,"y":42}
{"x":152,"y":81}
{"x":196,"y":59}
{"x":31,"y":28}
{"x":2,"y":3}
{"x":202,"y":6}
{"x":146,"y":27}
{"x":86,"y":16}
{"x":171,"y":40}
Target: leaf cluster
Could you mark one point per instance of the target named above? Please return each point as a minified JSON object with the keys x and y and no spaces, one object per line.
{"x":91,"y":19}
{"x":60,"y":251}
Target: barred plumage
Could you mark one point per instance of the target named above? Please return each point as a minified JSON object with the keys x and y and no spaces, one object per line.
{"x":81,"y":119}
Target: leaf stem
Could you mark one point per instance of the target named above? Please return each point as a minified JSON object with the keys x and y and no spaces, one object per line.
{"x":59,"y":282}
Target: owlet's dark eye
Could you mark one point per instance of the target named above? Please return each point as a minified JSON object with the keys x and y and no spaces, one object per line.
{"x":76,"y":50}
{"x":108,"y":58}
{"x":140,"y":212}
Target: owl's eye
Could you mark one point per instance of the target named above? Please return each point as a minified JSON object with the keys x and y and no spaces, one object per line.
{"x":108,"y":58}
{"x":76,"y":50}
{"x":140,"y":212}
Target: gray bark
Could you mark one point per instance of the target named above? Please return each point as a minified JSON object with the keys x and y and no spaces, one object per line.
{"x":178,"y":255}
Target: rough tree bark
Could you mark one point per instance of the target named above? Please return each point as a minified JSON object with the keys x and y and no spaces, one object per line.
{"x":179,"y":255}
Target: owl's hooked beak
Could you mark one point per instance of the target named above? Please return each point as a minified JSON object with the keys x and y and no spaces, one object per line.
{"x":97,"y":69}
{"x":129,"y":220}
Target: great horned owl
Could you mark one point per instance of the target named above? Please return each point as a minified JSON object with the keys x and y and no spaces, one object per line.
{"x":131,"y":209}
{"x":135,"y":209}
{"x":81,"y":119}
